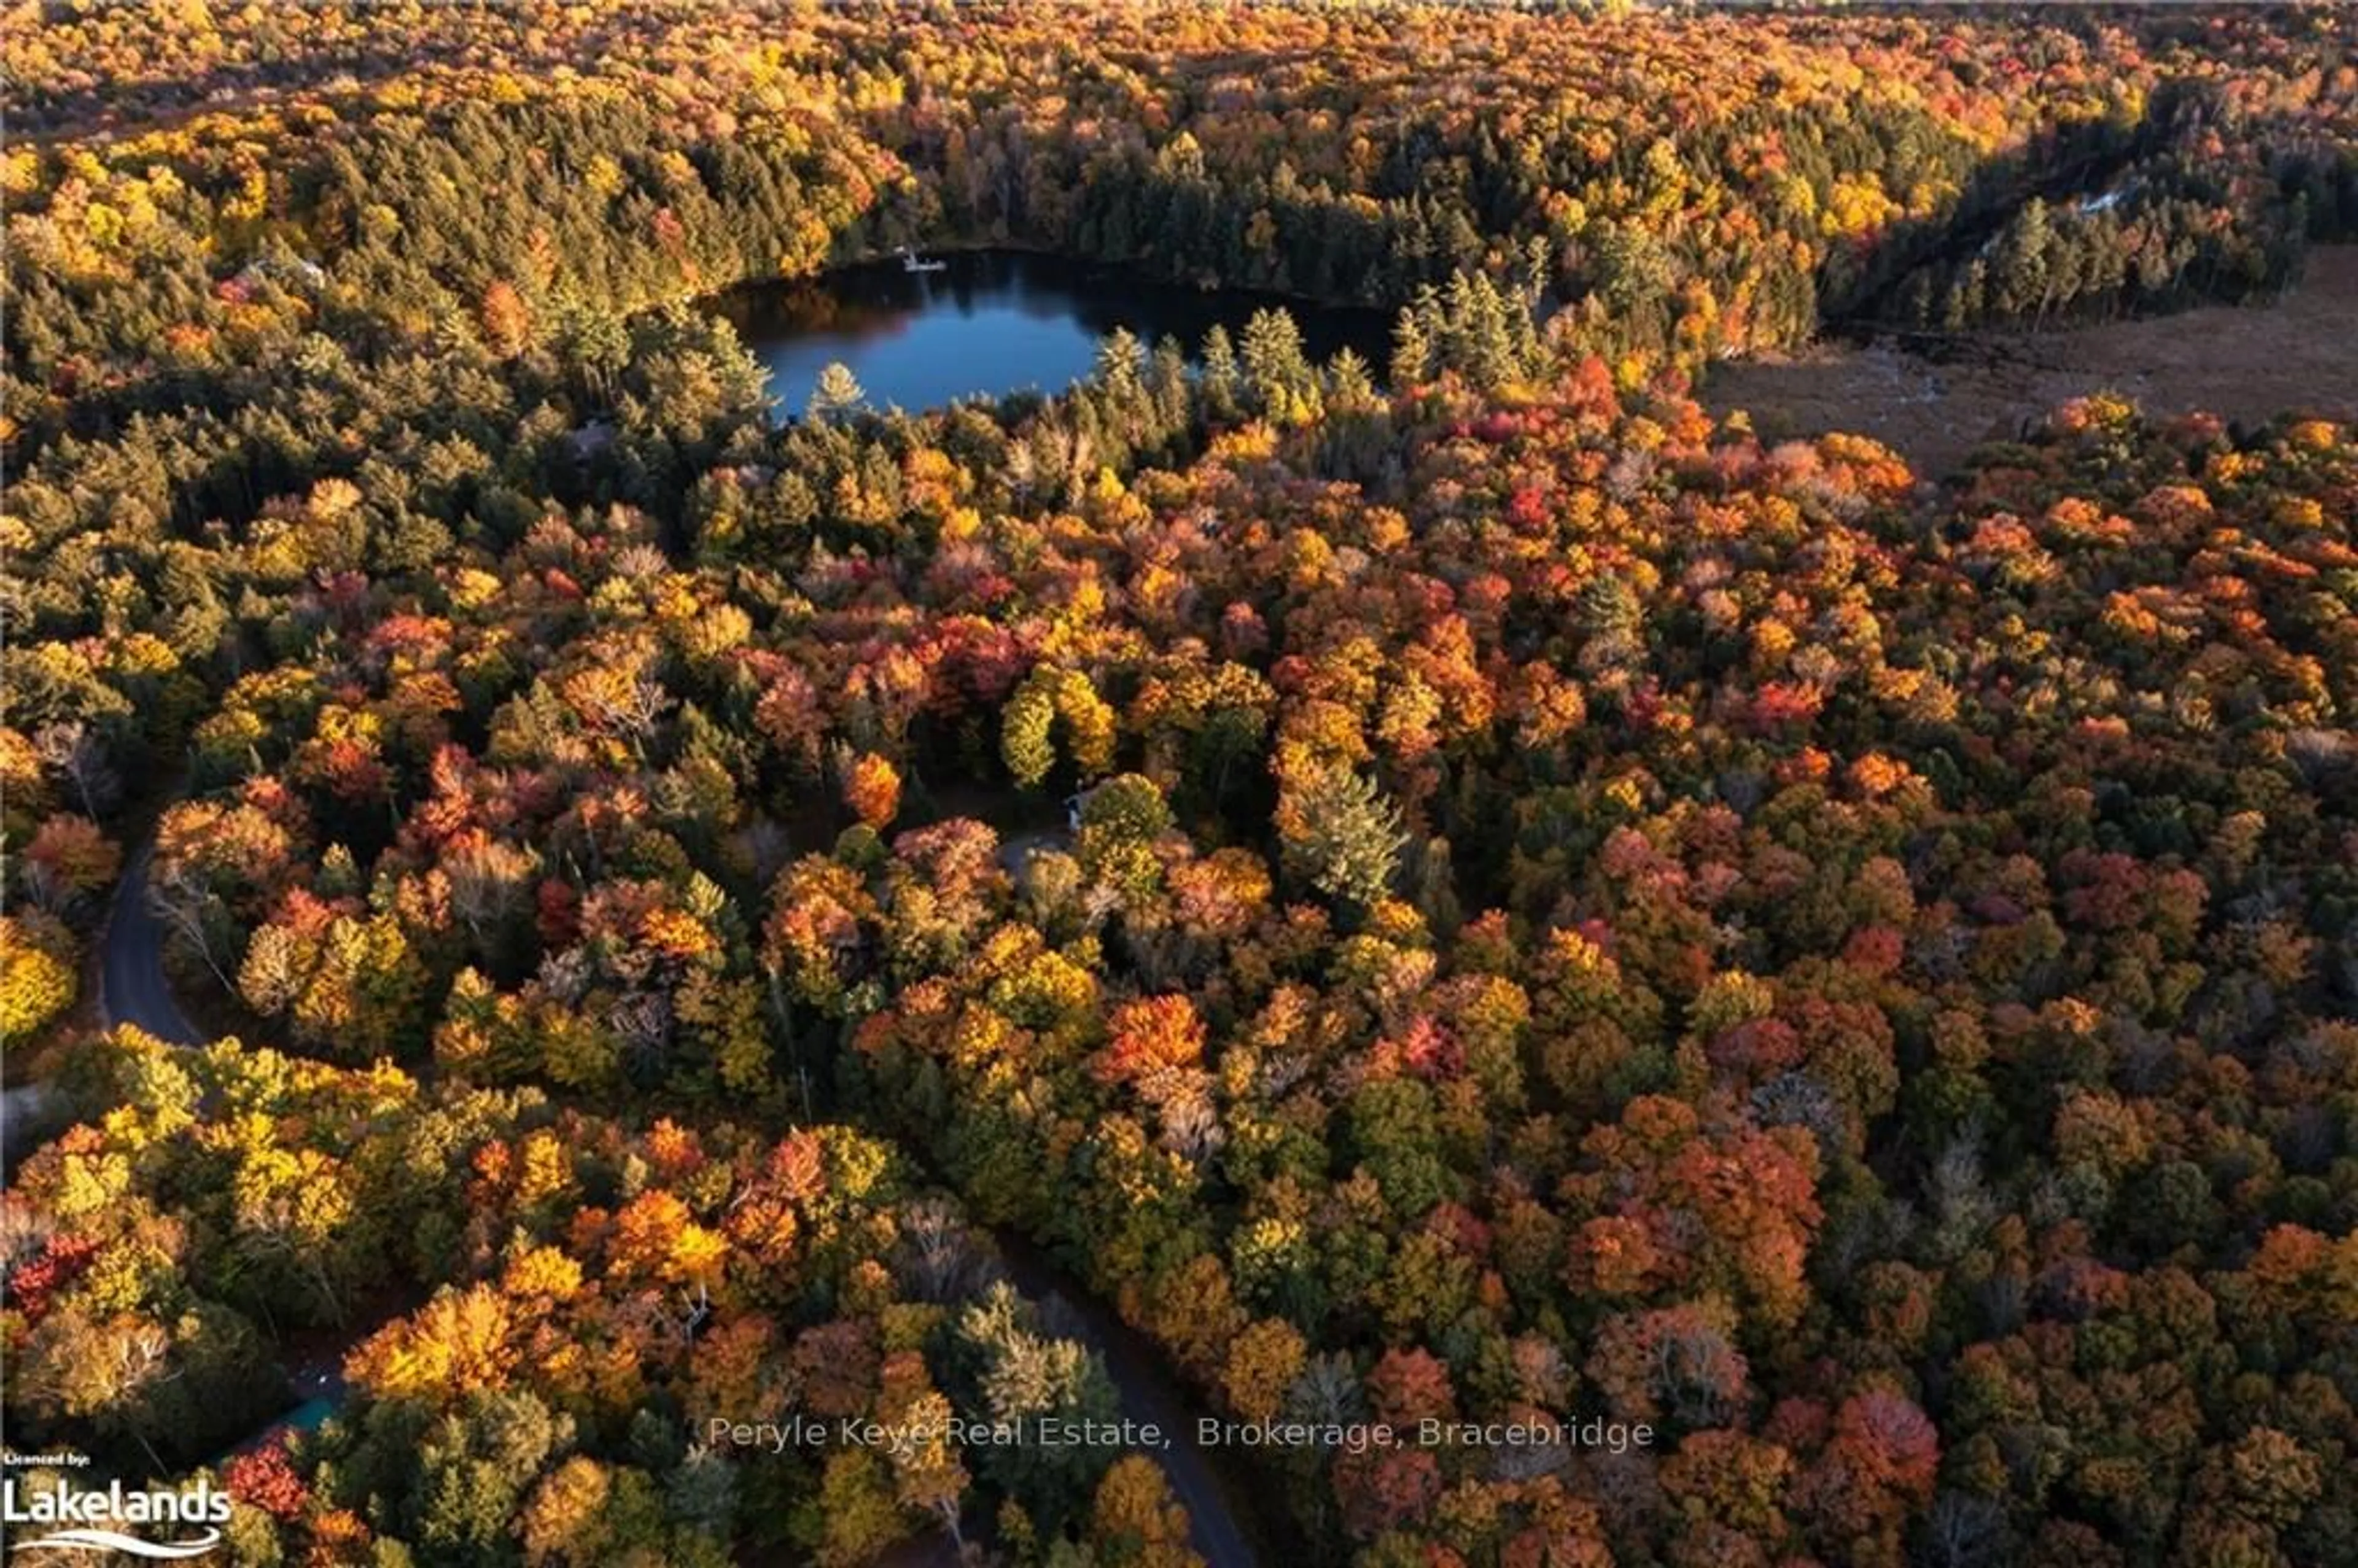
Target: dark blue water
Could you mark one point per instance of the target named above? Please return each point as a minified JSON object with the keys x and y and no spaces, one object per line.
{"x":995,"y":322}
{"x":308,"y":1415}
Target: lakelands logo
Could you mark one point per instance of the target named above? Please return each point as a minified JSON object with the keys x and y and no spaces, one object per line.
{"x":91,"y":1521}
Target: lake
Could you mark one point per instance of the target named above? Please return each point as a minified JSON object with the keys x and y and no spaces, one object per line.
{"x":994,"y":322}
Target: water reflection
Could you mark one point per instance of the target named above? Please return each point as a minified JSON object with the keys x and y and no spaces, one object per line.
{"x":992,"y":323}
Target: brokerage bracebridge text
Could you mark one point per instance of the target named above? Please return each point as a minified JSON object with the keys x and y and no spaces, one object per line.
{"x":1358,"y":1437}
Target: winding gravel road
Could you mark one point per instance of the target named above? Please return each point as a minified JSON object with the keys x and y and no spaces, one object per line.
{"x":132,"y":985}
{"x":133,"y":989}
{"x":1215,"y":1527}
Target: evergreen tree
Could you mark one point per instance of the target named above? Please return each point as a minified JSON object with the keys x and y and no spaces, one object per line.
{"x":1343,"y":837}
{"x":1222,"y":382}
{"x":1276,"y":370}
{"x":1119,"y":360}
{"x":1349,"y":381}
{"x":838,"y":393}
{"x":1411,"y":351}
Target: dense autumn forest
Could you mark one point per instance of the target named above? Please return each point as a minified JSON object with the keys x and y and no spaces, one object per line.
{"x":1466,"y":896}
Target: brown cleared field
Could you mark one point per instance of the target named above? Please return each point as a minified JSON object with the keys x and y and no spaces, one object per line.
{"x":2247,"y":364}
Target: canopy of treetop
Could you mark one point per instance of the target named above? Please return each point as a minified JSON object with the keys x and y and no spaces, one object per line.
{"x":1500,"y":901}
